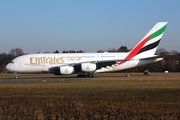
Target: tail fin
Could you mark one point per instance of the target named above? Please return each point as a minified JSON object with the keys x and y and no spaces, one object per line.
{"x":148,"y":45}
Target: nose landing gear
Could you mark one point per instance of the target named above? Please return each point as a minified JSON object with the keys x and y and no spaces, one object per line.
{"x":16,"y":76}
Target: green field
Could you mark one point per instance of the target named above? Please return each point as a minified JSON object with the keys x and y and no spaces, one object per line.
{"x":109,"y":96}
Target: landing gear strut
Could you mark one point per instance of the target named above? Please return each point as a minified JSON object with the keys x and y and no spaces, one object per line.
{"x":86,"y":75}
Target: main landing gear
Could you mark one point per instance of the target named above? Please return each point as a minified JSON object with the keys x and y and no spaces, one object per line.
{"x":16,"y":76}
{"x":86,"y":75}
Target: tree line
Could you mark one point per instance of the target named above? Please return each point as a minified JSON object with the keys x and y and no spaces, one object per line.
{"x":171,"y":63}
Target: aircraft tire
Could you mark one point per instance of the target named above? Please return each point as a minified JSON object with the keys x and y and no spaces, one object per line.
{"x":86,"y":76}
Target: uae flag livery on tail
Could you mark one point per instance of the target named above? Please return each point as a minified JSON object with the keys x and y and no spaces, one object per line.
{"x":148,"y":45}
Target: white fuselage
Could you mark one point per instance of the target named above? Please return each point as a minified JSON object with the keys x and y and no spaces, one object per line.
{"x":36,"y":63}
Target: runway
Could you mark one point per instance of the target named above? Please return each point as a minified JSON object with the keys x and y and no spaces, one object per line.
{"x":13,"y":80}
{"x":51,"y":78}
{"x":10,"y":78}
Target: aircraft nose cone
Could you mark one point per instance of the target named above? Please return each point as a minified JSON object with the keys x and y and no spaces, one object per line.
{"x":9,"y":67}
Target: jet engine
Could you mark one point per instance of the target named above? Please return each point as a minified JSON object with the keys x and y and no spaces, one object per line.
{"x":66,"y":70}
{"x":88,"y":67}
{"x":62,"y":70}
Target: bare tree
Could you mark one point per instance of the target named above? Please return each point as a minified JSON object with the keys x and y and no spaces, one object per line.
{"x":112,"y":50}
{"x":123,"y":49}
{"x":161,"y":51}
{"x":56,"y":51}
{"x":174,"y":52}
{"x":80,"y":51}
{"x":100,"y":51}
{"x":16,"y":52}
{"x":46,"y":52}
{"x":73,"y":51}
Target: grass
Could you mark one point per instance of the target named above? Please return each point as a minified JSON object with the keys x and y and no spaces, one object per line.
{"x":158,"y":93}
{"x":113,"y":84}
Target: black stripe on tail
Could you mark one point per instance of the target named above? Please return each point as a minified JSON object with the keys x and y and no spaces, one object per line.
{"x":149,"y":47}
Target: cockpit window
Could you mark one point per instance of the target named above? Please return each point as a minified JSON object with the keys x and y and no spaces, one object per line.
{"x":11,"y":62}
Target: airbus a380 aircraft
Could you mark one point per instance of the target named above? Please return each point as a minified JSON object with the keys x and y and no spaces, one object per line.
{"x":87,"y":64}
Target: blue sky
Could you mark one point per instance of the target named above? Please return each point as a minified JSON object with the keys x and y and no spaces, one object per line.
{"x":89,"y":25}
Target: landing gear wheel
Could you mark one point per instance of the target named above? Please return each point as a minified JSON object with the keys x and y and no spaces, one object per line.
{"x":16,"y":77}
{"x":93,"y":75}
{"x":85,"y":75}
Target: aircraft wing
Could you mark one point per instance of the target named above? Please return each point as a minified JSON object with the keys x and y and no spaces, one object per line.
{"x":77,"y":66}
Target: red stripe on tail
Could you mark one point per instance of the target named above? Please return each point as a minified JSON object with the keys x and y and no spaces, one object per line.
{"x":135,"y":50}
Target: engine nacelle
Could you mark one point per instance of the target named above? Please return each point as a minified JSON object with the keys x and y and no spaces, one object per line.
{"x":66,"y":69}
{"x":88,"y":67}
